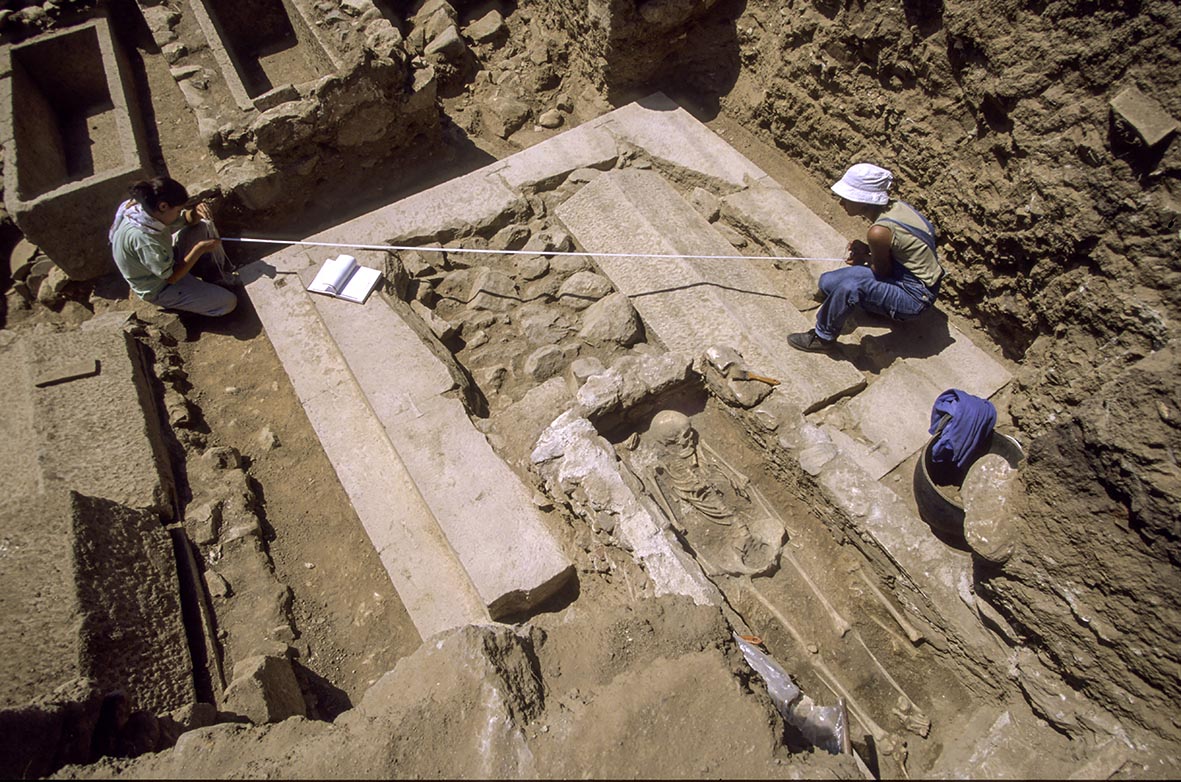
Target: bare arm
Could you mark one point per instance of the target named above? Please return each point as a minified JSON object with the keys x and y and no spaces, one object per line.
{"x":199,"y":249}
{"x":881,"y":260}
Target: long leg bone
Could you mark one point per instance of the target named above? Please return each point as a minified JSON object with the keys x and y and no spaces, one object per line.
{"x":839,"y":622}
{"x":907,"y":711}
{"x":912,"y":633}
{"x":877,"y":731}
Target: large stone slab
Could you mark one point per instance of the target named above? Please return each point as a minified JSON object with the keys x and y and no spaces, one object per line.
{"x":436,"y":591}
{"x":692,"y":304}
{"x":485,"y":511}
{"x":112,"y":412}
{"x":780,"y":220}
{"x":883,"y":425}
{"x":543,"y":164}
{"x":89,"y":590}
{"x":671,"y":137}
{"x":469,"y":203}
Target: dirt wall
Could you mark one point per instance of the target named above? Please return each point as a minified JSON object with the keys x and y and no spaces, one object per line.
{"x":1059,"y":229}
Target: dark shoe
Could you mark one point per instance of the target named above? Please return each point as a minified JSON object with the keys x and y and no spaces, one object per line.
{"x":809,"y":342}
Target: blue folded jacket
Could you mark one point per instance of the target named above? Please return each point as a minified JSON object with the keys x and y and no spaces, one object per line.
{"x":971,"y":422}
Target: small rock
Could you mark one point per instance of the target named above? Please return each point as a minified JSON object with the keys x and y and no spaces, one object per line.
{"x":173,"y":51}
{"x":222,"y":457}
{"x":179,"y":414}
{"x":264,"y":690}
{"x":195,"y":715}
{"x":550,"y":119}
{"x":204,"y":522}
{"x":447,"y":44}
{"x":50,"y":291}
{"x":1145,"y":115}
{"x":215,"y":584}
{"x":584,"y":289}
{"x":511,"y":237}
{"x":543,"y":325}
{"x":544,"y":363}
{"x":491,"y":379}
{"x":505,"y":115}
{"x":612,"y":319}
{"x":493,"y":290}
{"x":487,"y":29}
{"x":531,"y":267}
{"x":582,"y":368}
{"x":988,"y":523}
{"x":268,"y":439}
{"x":565,"y":265}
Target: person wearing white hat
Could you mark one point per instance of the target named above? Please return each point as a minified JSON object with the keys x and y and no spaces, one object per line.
{"x":895,"y":272}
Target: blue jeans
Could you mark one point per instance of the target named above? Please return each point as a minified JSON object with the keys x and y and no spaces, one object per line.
{"x":902,"y":296}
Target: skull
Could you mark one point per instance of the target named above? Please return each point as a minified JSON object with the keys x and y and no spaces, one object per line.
{"x":673,"y":430}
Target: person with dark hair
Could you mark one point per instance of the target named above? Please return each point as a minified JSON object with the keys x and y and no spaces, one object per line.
{"x":158,"y":268}
{"x":895,"y":272}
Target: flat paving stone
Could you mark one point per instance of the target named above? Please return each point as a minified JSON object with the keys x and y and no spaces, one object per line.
{"x":125,"y":459}
{"x":889,"y":421}
{"x":546,"y":163}
{"x":431,"y":583}
{"x":693,"y":304}
{"x":483,"y":509}
{"x":670,"y":135}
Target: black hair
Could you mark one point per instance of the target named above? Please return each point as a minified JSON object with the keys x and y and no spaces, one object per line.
{"x":152,"y":192}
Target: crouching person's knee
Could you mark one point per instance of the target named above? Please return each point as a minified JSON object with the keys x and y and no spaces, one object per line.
{"x":224,"y":305}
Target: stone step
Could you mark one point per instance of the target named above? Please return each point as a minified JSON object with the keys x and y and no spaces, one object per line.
{"x":911,"y":363}
{"x":483,"y":508}
{"x":437,"y":592}
{"x":676,"y":142}
{"x":693,"y":304}
{"x":942,"y":358}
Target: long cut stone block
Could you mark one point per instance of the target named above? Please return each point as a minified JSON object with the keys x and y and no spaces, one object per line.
{"x":113,"y":412}
{"x":693,"y":304}
{"x":907,"y":389}
{"x":672,"y":137}
{"x":482,"y":507}
{"x":432,"y":585}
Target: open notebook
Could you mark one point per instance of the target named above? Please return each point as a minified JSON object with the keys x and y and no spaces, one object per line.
{"x":344,"y":278}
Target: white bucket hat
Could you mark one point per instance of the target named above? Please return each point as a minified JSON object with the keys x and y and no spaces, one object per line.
{"x":865,"y":183}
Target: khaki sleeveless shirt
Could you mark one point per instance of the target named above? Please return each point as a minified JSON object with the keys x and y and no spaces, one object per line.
{"x":909,"y":250}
